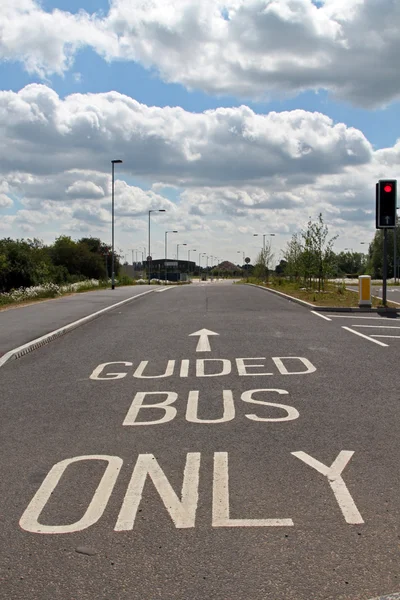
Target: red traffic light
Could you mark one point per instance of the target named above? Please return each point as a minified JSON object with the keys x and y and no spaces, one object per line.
{"x":387,"y":188}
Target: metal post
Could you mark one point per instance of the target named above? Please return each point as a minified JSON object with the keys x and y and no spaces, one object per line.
{"x":384,"y":287}
{"x":112,"y":229}
{"x":395,"y":251}
{"x":148,"y":256}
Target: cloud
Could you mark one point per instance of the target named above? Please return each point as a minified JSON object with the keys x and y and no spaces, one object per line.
{"x":246,"y":48}
{"x":43,"y":135}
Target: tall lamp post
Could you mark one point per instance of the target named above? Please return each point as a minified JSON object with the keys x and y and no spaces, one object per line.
{"x":149,"y":261}
{"x":177,"y":251}
{"x":189,"y":251}
{"x":264,"y":236}
{"x":166,"y":252}
{"x":113,"y":162}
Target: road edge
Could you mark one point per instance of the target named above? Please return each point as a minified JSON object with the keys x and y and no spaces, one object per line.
{"x":338,"y":309}
{"x":53,"y":335}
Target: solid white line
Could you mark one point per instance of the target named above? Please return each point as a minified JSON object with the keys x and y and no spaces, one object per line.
{"x":365,"y":336}
{"x":353,"y":317}
{"x":376,"y":326}
{"x":45,"y":339}
{"x":393,"y":337}
{"x":319,"y":315}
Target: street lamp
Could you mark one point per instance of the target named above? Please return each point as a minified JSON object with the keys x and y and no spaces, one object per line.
{"x":264,"y":236}
{"x":243,"y":253}
{"x":189,"y":251}
{"x":150,"y":211}
{"x":113,"y":162}
{"x":177,"y":251}
{"x":166,"y":234}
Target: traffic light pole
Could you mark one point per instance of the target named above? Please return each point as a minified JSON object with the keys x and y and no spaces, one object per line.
{"x":384,"y":287}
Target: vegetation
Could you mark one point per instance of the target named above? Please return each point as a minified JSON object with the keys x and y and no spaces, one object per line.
{"x":29,"y":263}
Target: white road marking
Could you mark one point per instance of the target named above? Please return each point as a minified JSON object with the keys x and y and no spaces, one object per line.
{"x":365,"y":336}
{"x":283,"y":370}
{"x":168,"y":371}
{"x":137,"y":405}
{"x":203,"y":344}
{"x":45,"y":339}
{"x":393,"y":337}
{"x":220,"y":504}
{"x":376,"y":326}
{"x":292,"y":413}
{"x":30,"y":519}
{"x":182,"y":512}
{"x":355,"y":317}
{"x":320,"y":315}
{"x":333,"y":474}
{"x":193,"y":404}
{"x":200,"y":367}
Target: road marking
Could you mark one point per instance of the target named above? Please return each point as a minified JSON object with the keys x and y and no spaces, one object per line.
{"x":292,"y":413}
{"x":322,"y":316}
{"x":376,"y":326}
{"x":392,"y":337}
{"x":355,"y":317}
{"x":203,"y":344}
{"x":193,"y":404}
{"x":30,"y":519}
{"x":200,"y":367}
{"x":220,"y":505}
{"x":49,"y":337}
{"x":182,"y":512}
{"x":335,"y":480}
{"x":365,"y":336}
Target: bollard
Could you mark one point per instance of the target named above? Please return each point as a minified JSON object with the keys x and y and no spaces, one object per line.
{"x":364,"y":291}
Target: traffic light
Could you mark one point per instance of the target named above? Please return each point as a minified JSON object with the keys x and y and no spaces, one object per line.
{"x":386,"y":203}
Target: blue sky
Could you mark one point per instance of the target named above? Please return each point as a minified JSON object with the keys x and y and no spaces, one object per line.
{"x":298,"y":54}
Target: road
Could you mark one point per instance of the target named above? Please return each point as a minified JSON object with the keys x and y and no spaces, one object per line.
{"x":269,"y":469}
{"x":39,"y":318}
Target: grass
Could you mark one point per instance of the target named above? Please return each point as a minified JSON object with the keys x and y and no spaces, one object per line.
{"x":333,"y":295}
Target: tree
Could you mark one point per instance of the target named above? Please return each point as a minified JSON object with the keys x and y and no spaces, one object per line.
{"x":263,"y":262}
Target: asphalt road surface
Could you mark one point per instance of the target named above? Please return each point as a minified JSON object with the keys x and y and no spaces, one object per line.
{"x":269,"y":469}
{"x":39,"y":318}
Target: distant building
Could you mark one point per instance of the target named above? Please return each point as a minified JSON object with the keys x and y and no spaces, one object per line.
{"x":172,"y":270}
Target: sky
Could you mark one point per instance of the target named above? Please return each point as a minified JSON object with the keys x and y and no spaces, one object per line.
{"x":236,"y":117}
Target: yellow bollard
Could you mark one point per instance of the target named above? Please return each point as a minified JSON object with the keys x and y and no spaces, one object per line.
{"x":364,"y":291}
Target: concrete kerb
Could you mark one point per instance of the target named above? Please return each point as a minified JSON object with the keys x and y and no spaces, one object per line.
{"x":49,"y":337}
{"x":338,"y":309}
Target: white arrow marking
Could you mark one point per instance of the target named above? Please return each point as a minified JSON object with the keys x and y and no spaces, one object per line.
{"x":203,"y":344}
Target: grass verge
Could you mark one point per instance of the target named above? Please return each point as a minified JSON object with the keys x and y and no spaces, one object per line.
{"x":333,"y":295}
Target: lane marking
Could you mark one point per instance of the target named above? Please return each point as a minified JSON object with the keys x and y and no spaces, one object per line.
{"x":322,"y":316}
{"x":49,"y":337}
{"x":354,"y":317}
{"x":365,"y":336}
{"x":203,"y":345}
{"x":376,"y":326}
{"x":393,"y":337}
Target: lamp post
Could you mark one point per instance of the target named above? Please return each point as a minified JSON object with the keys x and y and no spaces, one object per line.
{"x":166,"y":252}
{"x":166,"y":241}
{"x":113,"y":162}
{"x":149,"y":261}
{"x":177,"y":251}
{"x":189,"y":251}
{"x":243,"y":253}
{"x":264,"y":236}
